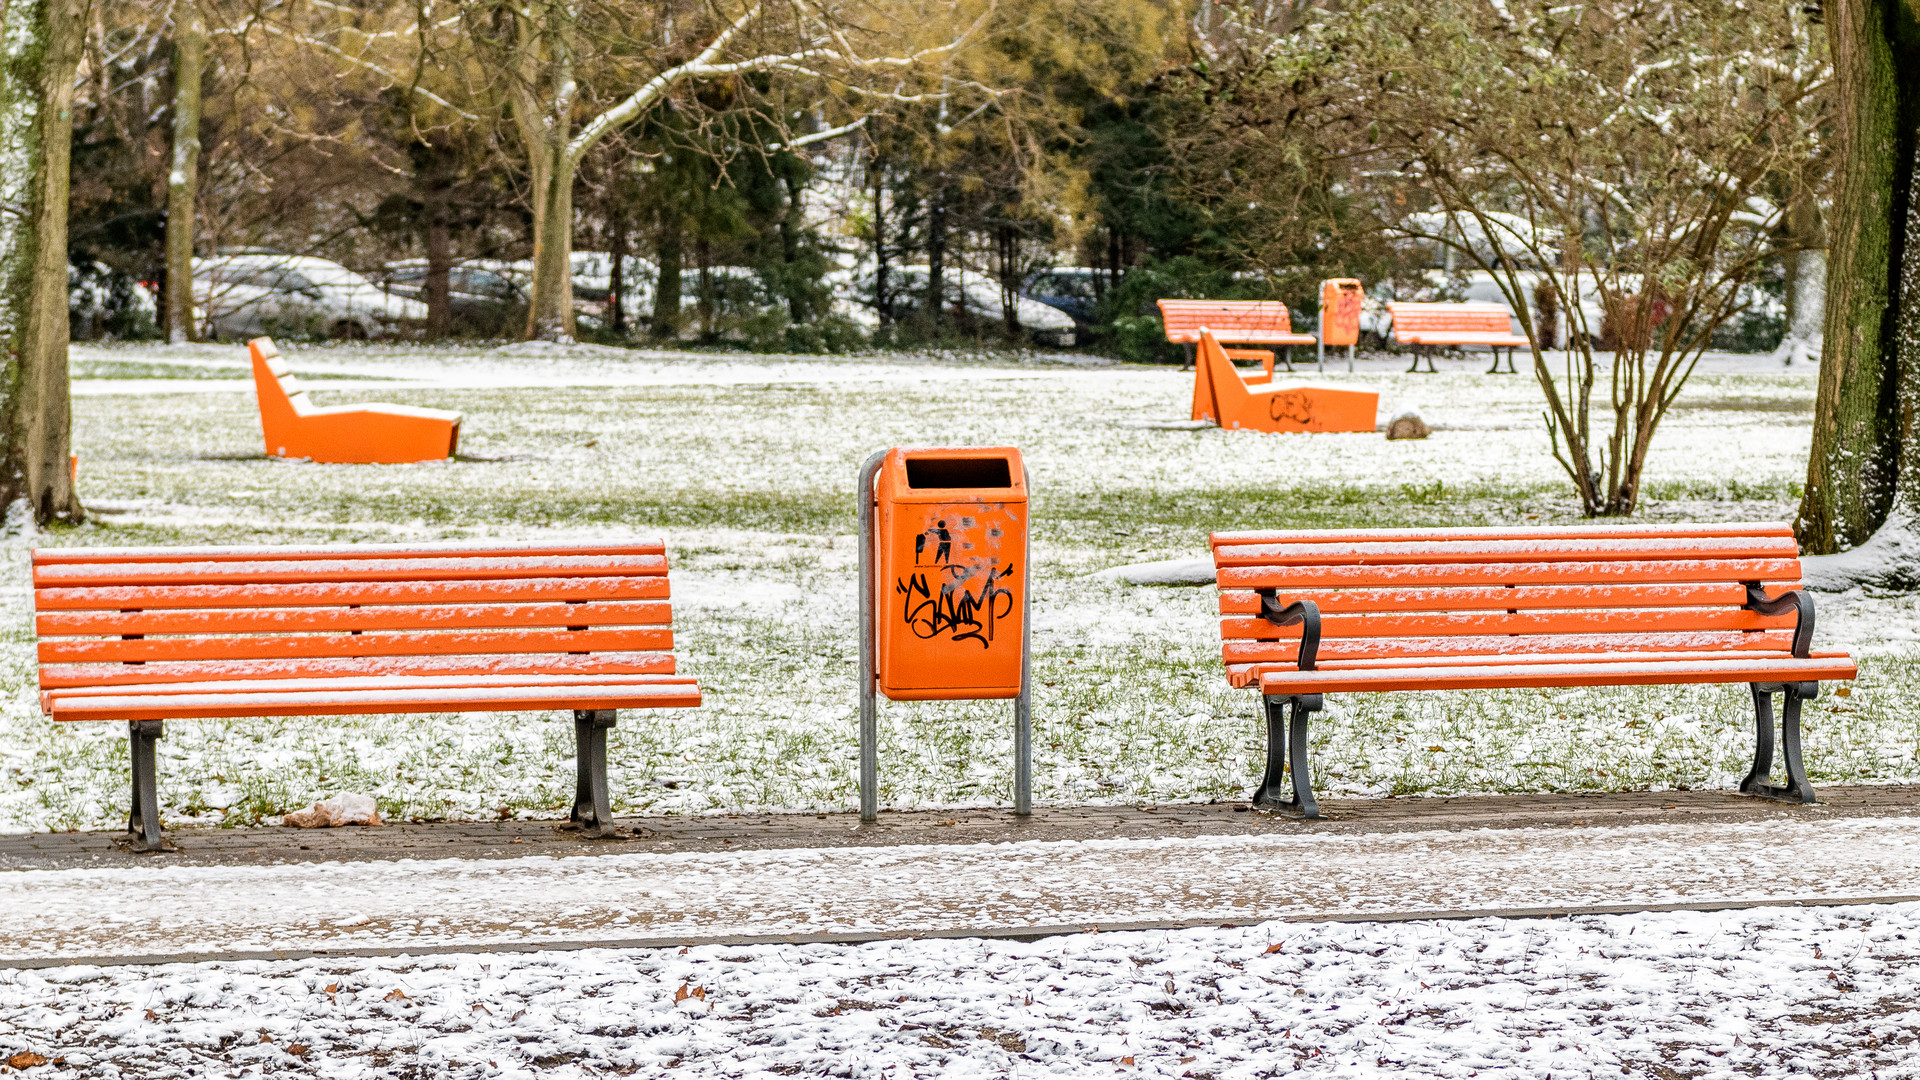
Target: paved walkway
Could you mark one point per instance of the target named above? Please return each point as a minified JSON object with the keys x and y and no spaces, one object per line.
{"x":741,"y":879}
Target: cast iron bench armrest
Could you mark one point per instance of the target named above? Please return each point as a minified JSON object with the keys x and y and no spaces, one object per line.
{"x":1795,"y":601}
{"x":1300,"y":611}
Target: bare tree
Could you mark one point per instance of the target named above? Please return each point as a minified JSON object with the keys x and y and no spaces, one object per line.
{"x":40,"y":47}
{"x":577,"y":72}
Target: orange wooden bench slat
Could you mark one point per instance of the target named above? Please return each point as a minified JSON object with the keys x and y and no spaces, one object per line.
{"x":388,"y":617}
{"x":1241,"y":676}
{"x":332,"y":570}
{"x":1624,"y":622}
{"x":1587,"y":549}
{"x":1257,"y":322}
{"x":1529,"y":532}
{"x":251,"y":702}
{"x":1586,"y":673}
{"x":1501,"y":597}
{"x":371,"y":644}
{"x":1566,"y":573}
{"x":312,"y":594}
{"x":1247,"y":651}
{"x":366,"y":682}
{"x":329,"y":552}
{"x":64,"y":676}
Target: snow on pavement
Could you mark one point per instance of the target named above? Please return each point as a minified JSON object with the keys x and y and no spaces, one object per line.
{"x":149,"y":911}
{"x":1821,"y":992}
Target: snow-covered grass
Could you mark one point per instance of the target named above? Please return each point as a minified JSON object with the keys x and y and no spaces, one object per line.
{"x":745,"y":465}
{"x":1819,"y":992}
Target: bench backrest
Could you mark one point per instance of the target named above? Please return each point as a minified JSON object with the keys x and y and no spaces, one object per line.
{"x":1249,"y":321}
{"x":1391,"y":595}
{"x":274,"y":381}
{"x":153,"y":615}
{"x":1467,"y":318}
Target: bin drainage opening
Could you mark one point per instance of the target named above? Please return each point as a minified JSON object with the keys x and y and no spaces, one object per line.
{"x":958,"y":473}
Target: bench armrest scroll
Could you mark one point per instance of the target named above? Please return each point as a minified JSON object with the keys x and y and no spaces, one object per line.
{"x":1300,"y":611}
{"x":1796,"y":601}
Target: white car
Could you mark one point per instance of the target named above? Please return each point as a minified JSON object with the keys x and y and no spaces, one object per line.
{"x":246,"y":294}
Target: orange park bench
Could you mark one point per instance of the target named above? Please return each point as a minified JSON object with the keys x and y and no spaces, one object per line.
{"x":1221,"y":396}
{"x":1306,"y":614}
{"x":343,"y":434}
{"x":1247,"y":322}
{"x":1427,"y":326}
{"x":147,"y":635}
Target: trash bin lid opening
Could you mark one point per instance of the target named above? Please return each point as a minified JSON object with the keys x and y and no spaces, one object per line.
{"x":982,"y":472}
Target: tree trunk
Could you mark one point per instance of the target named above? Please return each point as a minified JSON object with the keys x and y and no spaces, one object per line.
{"x":550,"y":309}
{"x":40,"y":44}
{"x":617,"y":272}
{"x":790,"y":222}
{"x":1806,"y":283}
{"x":937,"y":259}
{"x":1858,"y":413}
{"x":670,"y":253}
{"x":882,"y":303}
{"x":1008,"y":245}
{"x":439,"y":267}
{"x":183,"y":177}
{"x":703,"y":305}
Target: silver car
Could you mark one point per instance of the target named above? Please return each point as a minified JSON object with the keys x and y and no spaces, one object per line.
{"x":247,"y":294}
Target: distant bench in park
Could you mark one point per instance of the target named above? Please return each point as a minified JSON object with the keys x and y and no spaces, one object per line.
{"x":1244,"y":322}
{"x":1310,"y":613}
{"x":1430,"y":326}
{"x":147,"y":635}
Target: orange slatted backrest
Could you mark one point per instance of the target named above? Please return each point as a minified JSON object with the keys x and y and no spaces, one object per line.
{"x":1230,"y":320}
{"x":118,"y":615}
{"x":1457,"y":318}
{"x":1539,"y":590}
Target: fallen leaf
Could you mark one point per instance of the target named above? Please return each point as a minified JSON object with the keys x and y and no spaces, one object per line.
{"x":153,"y":1016}
{"x":1126,"y":1061}
{"x":298,"y":1050}
{"x":395,"y":994}
{"x":1845,"y":691}
{"x":1276,"y":946}
{"x":26,"y":1059}
{"x":333,"y":988}
{"x":477,"y":1007}
{"x":1187,"y":1060}
{"x":515,"y":1018}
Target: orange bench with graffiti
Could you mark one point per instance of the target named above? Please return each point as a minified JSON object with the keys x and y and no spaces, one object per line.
{"x":294,"y":427}
{"x":147,"y":635}
{"x":1305,"y":614}
{"x":1427,"y":326}
{"x":1221,"y":396}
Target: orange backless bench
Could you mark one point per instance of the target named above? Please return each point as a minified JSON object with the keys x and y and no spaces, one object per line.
{"x":294,"y":427}
{"x":1305,"y":614}
{"x":147,"y":635}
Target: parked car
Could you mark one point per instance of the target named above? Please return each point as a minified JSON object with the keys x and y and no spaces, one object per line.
{"x":483,"y":301}
{"x":253,"y":292}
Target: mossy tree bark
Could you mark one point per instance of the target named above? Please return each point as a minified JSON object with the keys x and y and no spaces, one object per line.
{"x":1866,"y":455}
{"x":40,"y":43}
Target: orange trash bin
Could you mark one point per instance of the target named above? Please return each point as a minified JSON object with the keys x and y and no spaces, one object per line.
{"x":951,"y":545}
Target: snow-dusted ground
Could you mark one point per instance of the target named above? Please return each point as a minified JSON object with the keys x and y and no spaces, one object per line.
{"x":1773,"y":992}
{"x":745,"y":465}
{"x":148,"y":911}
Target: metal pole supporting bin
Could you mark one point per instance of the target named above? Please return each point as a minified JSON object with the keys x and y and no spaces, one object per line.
{"x":870,"y":674}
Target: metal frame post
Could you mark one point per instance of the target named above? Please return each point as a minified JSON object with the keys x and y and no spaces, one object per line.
{"x":1320,"y":331}
{"x":869,"y":675}
{"x":869,"y":708}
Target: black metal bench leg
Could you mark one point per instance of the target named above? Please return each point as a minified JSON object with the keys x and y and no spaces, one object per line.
{"x":1416,"y":360}
{"x":592,"y":807}
{"x":1495,"y":369}
{"x":1287,"y":752}
{"x":143,"y":823}
{"x":1759,"y":779}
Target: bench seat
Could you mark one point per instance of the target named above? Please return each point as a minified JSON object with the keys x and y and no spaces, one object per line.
{"x":147,"y":635}
{"x":1309,"y":613}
